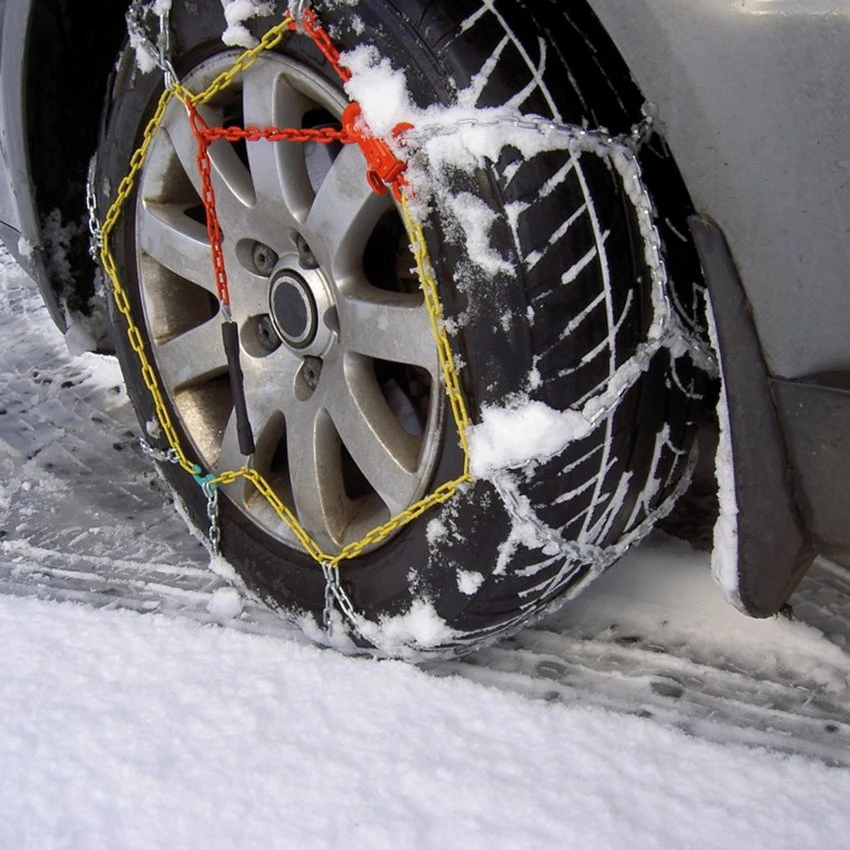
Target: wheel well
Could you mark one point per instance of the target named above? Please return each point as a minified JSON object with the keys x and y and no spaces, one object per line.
{"x":69,"y":56}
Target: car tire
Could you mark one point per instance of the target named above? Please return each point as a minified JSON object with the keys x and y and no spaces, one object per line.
{"x":503,"y":550}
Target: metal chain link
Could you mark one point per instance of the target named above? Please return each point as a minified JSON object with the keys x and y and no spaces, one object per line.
{"x":210,"y":489}
{"x":335,"y":593}
{"x":95,"y":232}
{"x":297,"y":8}
{"x":327,"y":612}
{"x":158,"y":50}
{"x":168,"y":456}
{"x":164,"y":47}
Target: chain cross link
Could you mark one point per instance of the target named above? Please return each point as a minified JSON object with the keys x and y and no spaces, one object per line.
{"x":159,"y":51}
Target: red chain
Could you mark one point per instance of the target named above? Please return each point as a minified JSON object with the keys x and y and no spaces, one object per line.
{"x":324,"y":135}
{"x":200,"y":129}
{"x":310,"y":24}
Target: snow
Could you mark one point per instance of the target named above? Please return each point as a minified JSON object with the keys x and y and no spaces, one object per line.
{"x":25,"y":248}
{"x":724,"y":557}
{"x":236,"y":12}
{"x":469,"y":581}
{"x":226,"y":603}
{"x":132,"y":731}
{"x":520,"y":433}
{"x":405,"y":635}
{"x":79,"y":339}
{"x":57,"y":236}
{"x":476,"y":219}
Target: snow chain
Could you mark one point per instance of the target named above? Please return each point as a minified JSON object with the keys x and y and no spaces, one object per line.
{"x":385,"y":171}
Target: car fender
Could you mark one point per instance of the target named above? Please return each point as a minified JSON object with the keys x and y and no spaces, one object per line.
{"x":752,"y":98}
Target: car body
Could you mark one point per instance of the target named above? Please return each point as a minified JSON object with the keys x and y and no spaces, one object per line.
{"x":752,"y":102}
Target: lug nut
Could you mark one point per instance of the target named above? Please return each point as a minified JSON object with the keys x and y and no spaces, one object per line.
{"x":267,"y":335}
{"x":311,"y":371}
{"x":305,"y":255}
{"x":264,"y":259}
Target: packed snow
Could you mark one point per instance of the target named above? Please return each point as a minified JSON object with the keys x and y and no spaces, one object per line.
{"x":521,"y":433}
{"x":126,"y":730}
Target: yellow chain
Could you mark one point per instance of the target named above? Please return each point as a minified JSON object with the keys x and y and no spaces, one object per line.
{"x":429,"y":287}
{"x":271,"y":39}
{"x":435,"y":310}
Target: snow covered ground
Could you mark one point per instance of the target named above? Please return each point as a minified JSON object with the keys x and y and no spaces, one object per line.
{"x":161,"y":710}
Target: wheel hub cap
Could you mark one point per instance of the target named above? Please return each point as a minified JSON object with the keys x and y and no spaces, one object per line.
{"x":292,"y":307}
{"x":301,"y":308}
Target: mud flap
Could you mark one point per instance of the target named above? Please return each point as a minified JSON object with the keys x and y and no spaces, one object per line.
{"x":773,"y":545}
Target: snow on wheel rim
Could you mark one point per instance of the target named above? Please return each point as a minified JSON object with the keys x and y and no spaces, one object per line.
{"x":341,"y":371}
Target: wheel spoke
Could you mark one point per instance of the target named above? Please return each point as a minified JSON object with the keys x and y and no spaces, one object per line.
{"x":316,"y":472}
{"x":183,"y":141}
{"x":383,"y":451}
{"x":248,"y":292}
{"x":344,"y":213}
{"x":177,"y":242}
{"x":193,"y":356}
{"x":234,"y":190}
{"x":388,"y":326}
{"x":278,"y":169}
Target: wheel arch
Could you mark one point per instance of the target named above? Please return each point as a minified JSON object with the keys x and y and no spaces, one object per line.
{"x":66,"y":67}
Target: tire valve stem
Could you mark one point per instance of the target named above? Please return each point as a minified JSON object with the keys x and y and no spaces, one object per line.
{"x":230,"y":337}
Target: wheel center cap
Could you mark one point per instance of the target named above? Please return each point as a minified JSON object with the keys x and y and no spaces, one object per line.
{"x":293,"y":309}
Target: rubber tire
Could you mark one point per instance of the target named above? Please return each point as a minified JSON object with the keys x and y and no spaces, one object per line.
{"x":428,"y":561}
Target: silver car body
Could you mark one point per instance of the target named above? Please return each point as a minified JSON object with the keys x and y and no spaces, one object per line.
{"x":754,"y":100}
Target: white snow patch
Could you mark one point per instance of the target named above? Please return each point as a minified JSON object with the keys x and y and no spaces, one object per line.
{"x":435,"y":531}
{"x":153,"y":428}
{"x":724,"y":553}
{"x":79,"y":339}
{"x":106,"y":371}
{"x":421,"y":627}
{"x":534,"y":380}
{"x":25,"y":247}
{"x":144,"y":61}
{"x":521,"y":433}
{"x":198,"y":737}
{"x":477,"y":219}
{"x":220,"y":566}
{"x":380,"y":90}
{"x":469,"y":581}
{"x":225,"y":604}
{"x":56,"y":235}
{"x":236,"y":12}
